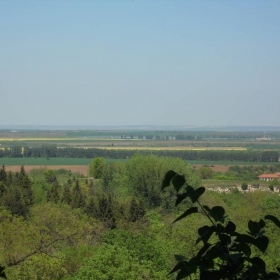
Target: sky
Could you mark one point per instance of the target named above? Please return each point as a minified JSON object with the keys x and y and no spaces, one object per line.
{"x":82,"y":62}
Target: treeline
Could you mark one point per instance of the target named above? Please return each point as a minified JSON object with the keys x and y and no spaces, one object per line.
{"x":16,"y":193}
{"x":53,"y":151}
{"x":96,"y":197}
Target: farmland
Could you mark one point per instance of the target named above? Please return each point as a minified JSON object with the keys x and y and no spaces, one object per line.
{"x":120,"y":145}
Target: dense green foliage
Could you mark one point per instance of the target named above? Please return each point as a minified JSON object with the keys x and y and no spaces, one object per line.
{"x":115,"y":227}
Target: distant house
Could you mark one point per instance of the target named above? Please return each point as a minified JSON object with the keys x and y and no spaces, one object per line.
{"x":269,"y":177}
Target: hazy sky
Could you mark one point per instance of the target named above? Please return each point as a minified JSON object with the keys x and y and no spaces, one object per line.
{"x":139,"y":62}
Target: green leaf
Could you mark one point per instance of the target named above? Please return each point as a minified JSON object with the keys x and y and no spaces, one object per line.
{"x":244,"y":238}
{"x":197,"y":193}
{"x":273,"y":219}
{"x":235,"y":258}
{"x":261,"y":224}
{"x":178,"y":182}
{"x":180,"y":258}
{"x":181,"y":197}
{"x":2,"y":272}
{"x":168,"y":177}
{"x":259,"y":263}
{"x":207,"y":275}
{"x":203,"y":230}
{"x":253,"y":227}
{"x":261,"y":243}
{"x":191,"y":193}
{"x":214,"y":252}
{"x":183,"y":273}
{"x":225,"y":238}
{"x":230,"y":227}
{"x":186,"y":268}
{"x":205,"y":233}
{"x":205,"y":247}
{"x":206,"y":264}
{"x":178,"y":266}
{"x":220,"y":228}
{"x":241,"y":247}
{"x":217,"y":213}
{"x":187,"y":213}
{"x":239,"y":268}
{"x":260,"y":234}
{"x":273,"y":276}
{"x":206,"y":208}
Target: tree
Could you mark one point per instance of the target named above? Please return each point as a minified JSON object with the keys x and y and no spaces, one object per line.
{"x":145,"y":173}
{"x":230,"y":254}
{"x":105,"y":211}
{"x":3,"y":174}
{"x":205,"y":172}
{"x":78,"y":199}
{"x":50,"y":176}
{"x":53,"y":193}
{"x":136,"y":210}
{"x":91,"y":209}
{"x":96,"y":167}
{"x":14,"y":202}
{"x":66,"y":195}
{"x":109,"y":170}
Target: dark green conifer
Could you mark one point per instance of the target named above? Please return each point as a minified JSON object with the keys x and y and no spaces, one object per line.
{"x":22,"y":171}
{"x":91,"y":209}
{"x":78,"y":200}
{"x":53,"y":193}
{"x":15,"y":204}
{"x":3,"y":189}
{"x":105,"y":211}
{"x":9,"y":179}
{"x":3,"y":174}
{"x":66,"y":196}
{"x":24,"y":184}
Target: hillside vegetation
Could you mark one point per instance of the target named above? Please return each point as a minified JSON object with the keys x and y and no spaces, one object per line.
{"x":59,"y":225}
